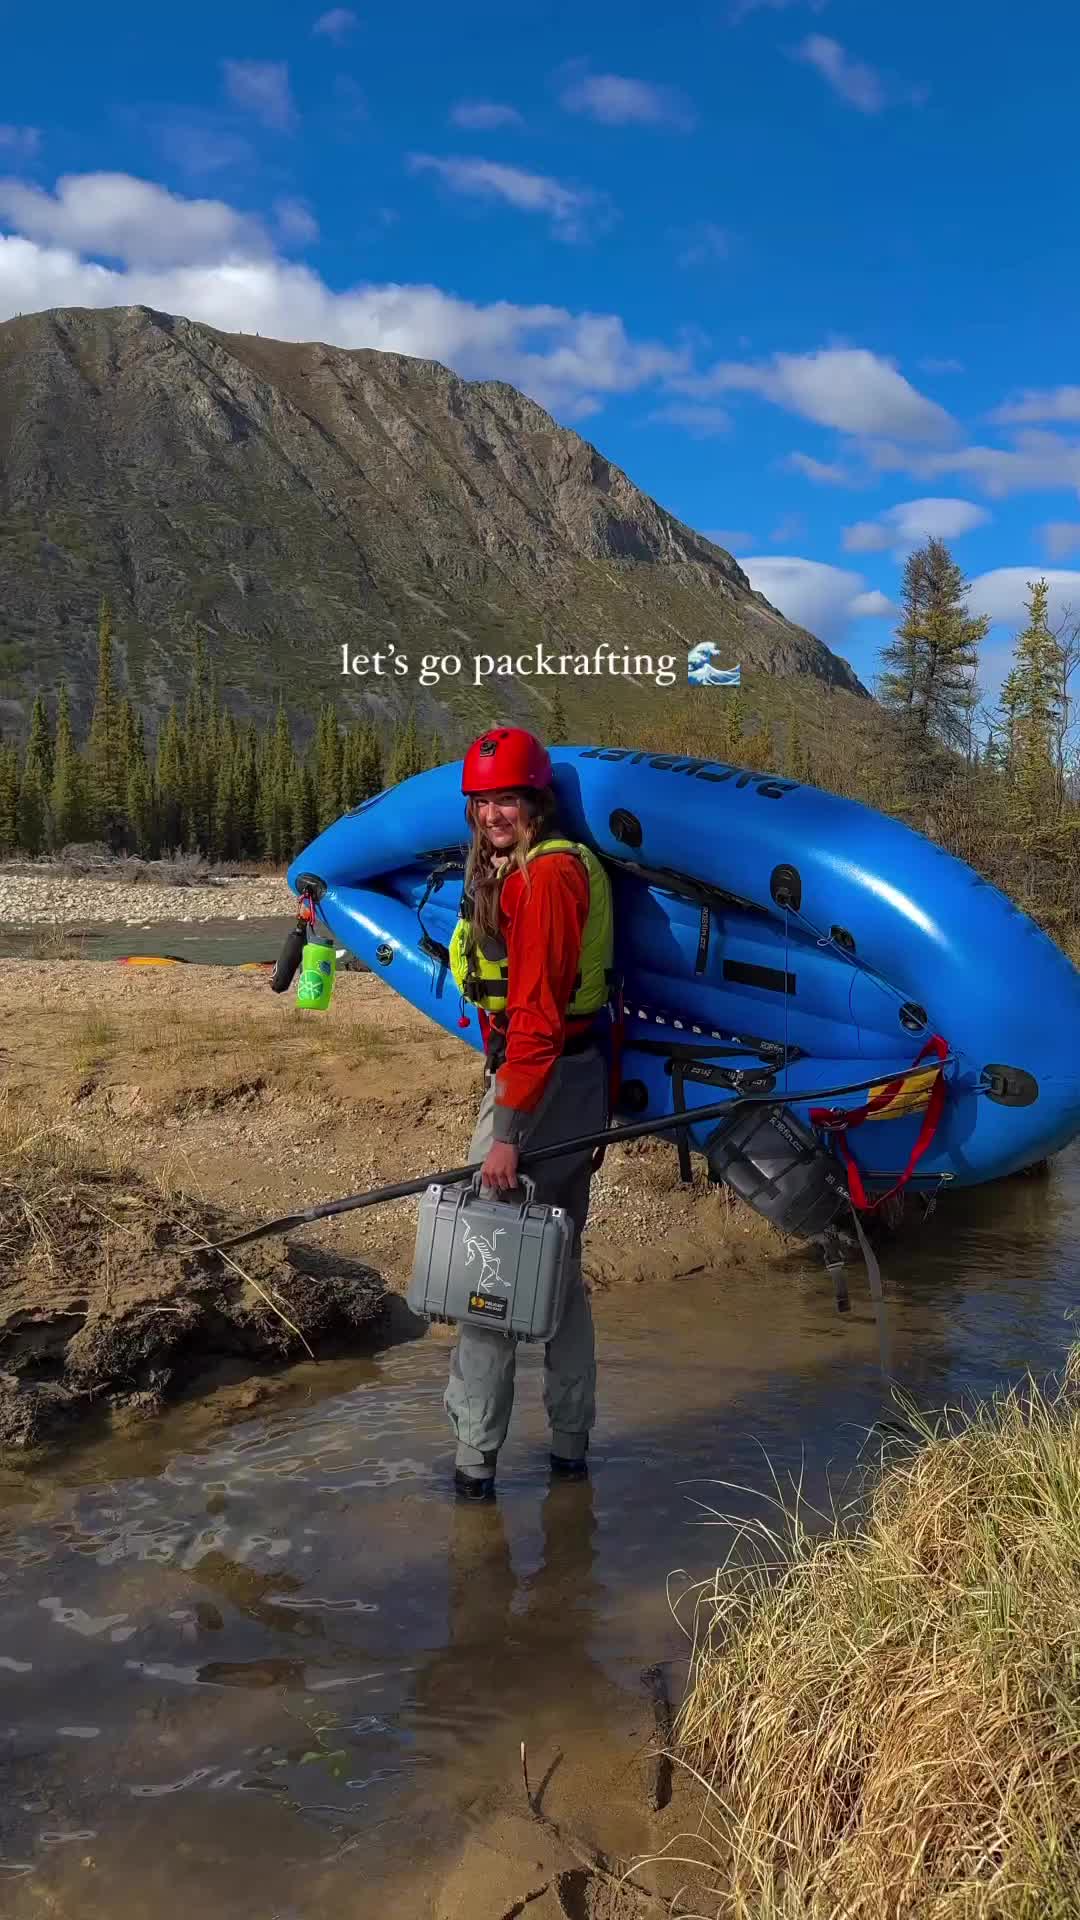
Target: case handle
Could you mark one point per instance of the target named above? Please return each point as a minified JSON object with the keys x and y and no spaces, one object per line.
{"x":524,"y":1185}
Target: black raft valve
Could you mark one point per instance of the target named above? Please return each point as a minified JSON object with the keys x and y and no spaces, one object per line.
{"x":785,"y":885}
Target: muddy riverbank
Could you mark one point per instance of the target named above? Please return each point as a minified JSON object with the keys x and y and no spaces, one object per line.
{"x":252,"y":1651}
{"x":260,"y":1663}
{"x":146,"y":1108}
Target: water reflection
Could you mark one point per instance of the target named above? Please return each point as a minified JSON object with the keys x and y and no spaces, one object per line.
{"x":515,"y":1645}
{"x":249,"y":1648}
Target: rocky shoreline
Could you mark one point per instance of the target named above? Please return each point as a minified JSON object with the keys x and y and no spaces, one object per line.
{"x":30,"y":899}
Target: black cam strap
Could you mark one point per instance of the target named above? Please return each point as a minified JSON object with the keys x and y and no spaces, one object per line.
{"x":704,"y":927}
{"x":687,"y":1061}
{"x":434,"y":949}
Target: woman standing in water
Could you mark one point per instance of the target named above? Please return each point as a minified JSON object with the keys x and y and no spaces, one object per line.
{"x":533,"y":951}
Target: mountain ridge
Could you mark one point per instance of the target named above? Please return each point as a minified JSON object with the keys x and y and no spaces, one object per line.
{"x":294,"y":498}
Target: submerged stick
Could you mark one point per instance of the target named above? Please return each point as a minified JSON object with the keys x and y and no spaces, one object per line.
{"x":606,"y":1867}
{"x":659,"y":1763}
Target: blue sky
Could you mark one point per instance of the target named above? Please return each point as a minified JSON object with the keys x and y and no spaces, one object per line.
{"x":806,"y":269}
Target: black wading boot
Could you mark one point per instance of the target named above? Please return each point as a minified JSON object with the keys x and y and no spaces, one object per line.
{"x":563,"y":1469}
{"x":468,"y":1488}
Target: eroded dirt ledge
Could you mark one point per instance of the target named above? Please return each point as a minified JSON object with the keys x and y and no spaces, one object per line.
{"x":147,"y":1109}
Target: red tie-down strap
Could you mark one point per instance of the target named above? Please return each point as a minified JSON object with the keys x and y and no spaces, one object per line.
{"x":840,"y":1123}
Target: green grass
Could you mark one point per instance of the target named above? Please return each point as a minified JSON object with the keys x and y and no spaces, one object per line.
{"x":93,"y":1036}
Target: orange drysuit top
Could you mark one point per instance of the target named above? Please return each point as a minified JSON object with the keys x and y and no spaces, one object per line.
{"x":542,"y":920}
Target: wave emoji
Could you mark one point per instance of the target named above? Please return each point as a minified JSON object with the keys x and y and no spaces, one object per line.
{"x":702,"y":670}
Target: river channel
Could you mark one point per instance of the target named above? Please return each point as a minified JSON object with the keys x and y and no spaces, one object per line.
{"x":264,"y":1666}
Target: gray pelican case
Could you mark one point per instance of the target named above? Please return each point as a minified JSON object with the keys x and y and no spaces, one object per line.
{"x":501,"y":1264}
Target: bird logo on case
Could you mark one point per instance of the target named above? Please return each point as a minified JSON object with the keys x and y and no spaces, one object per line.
{"x":476,"y":1247}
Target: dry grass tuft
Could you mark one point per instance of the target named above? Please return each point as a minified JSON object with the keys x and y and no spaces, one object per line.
{"x":886,"y":1713}
{"x":62,"y":1191}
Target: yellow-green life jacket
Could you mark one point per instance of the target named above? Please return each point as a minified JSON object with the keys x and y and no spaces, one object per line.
{"x":479,"y":964}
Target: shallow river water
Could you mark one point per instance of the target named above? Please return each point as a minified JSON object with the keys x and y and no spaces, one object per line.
{"x":269,"y":1669}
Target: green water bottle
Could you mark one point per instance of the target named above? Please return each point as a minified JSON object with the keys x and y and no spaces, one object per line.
{"x":316,"y":982}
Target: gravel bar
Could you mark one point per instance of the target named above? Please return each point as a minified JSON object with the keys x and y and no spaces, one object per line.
{"x":29,"y":900}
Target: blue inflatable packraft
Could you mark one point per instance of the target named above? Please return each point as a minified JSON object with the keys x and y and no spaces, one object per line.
{"x":770,"y":938}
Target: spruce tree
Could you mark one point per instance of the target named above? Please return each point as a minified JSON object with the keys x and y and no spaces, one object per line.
{"x":141,"y":809}
{"x":350,"y":768}
{"x":199,"y":732}
{"x":39,"y":746}
{"x":372,"y":777}
{"x":327,"y":768}
{"x":732,"y":725}
{"x":407,"y":754}
{"x":796,"y":759}
{"x":756,"y":751}
{"x":35,"y":784}
{"x":898,"y":684}
{"x":434,"y":755}
{"x":68,"y":791}
{"x":9,"y":799}
{"x":33,"y":813}
{"x":277,"y":791}
{"x":557,"y":730}
{"x":303,"y":811}
{"x":1036,"y":686}
{"x":226,"y":823}
{"x":247,"y":795}
{"x":932,"y":664}
{"x":107,"y":794}
{"x":1010,"y":701}
{"x":171,"y":784}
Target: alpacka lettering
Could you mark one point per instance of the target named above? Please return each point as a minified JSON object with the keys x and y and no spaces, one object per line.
{"x":712,"y":770}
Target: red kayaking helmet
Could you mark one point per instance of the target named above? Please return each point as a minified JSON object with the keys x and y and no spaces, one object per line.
{"x":503,"y":758}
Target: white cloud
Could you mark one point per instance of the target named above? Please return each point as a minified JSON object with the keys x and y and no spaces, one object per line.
{"x":198,"y":143}
{"x":1050,"y":403}
{"x":913,"y":521}
{"x":823,"y":599}
{"x":824,"y":473}
{"x":566,"y":360}
{"x":23,"y":142}
{"x":703,"y":244}
{"x":572,"y":210}
{"x":856,"y":82}
{"x":1038,"y":461}
{"x":121,"y":218}
{"x":847,"y":388}
{"x":871,"y":606}
{"x":1060,"y":538}
{"x":336,"y":25}
{"x":295,"y":221}
{"x":700,"y":421}
{"x":1003,"y":593}
{"x":616,"y":100}
{"x":483,"y":116}
{"x":262,"y":87}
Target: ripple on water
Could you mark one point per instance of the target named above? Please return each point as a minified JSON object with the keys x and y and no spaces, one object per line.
{"x":320,"y":1630}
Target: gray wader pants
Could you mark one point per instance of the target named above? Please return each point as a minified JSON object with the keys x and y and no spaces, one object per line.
{"x":480,"y":1393}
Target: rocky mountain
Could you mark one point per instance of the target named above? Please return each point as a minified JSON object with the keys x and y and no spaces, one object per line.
{"x":296,"y":501}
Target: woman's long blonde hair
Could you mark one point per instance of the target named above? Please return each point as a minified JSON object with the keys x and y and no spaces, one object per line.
{"x":485,"y":869}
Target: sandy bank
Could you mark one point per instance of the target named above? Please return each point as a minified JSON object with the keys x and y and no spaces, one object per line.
{"x":155,"y":1105}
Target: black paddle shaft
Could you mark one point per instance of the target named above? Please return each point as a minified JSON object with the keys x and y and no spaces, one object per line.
{"x":402,"y":1189}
